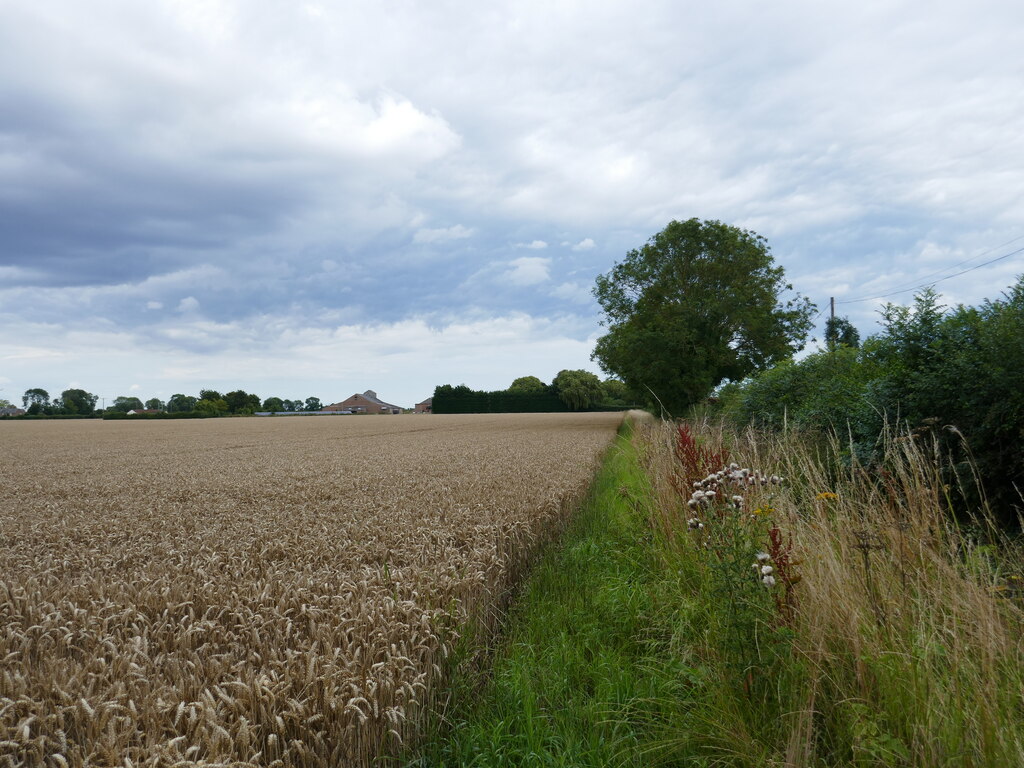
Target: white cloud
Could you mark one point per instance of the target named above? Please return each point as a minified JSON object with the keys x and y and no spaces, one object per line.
{"x":528,"y":270}
{"x":403,"y":361}
{"x":233,"y":153}
{"x":442,"y":235}
{"x":578,"y":293}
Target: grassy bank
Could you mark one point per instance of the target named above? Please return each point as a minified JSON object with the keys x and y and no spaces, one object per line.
{"x":577,"y":650}
{"x":785,"y":611}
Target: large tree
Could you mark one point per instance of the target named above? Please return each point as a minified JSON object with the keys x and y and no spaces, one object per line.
{"x":124,"y":404}
{"x":37,"y":397}
{"x":697,"y":305}
{"x":240,"y":401}
{"x":528,"y":384}
{"x":179,"y":403}
{"x":578,"y":389}
{"x":78,"y":401}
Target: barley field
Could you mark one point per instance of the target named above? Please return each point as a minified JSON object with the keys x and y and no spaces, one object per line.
{"x":260,"y":591}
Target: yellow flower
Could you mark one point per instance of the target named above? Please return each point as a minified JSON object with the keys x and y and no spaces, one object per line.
{"x":826,"y":495}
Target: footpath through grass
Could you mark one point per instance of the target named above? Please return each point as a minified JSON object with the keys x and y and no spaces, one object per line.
{"x":579,"y":651}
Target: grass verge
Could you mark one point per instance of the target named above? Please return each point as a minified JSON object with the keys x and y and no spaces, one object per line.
{"x":703,"y":611}
{"x":578,"y":649}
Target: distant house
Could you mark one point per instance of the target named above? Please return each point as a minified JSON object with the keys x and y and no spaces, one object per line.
{"x":426,"y":406}
{"x":143,"y":411}
{"x":368,"y":402}
{"x":12,"y":411}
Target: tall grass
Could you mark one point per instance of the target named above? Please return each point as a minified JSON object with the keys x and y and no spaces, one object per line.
{"x":883,"y":632}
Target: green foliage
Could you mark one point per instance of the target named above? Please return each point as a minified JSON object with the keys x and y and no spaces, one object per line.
{"x":462,"y":399}
{"x":124,"y":404}
{"x":528,"y":384}
{"x":616,"y":392}
{"x":78,"y":401}
{"x":839,"y":332}
{"x":208,"y":407}
{"x":273,"y":404}
{"x":698,"y":304}
{"x":578,"y":389}
{"x":179,"y":403}
{"x":35,"y":397}
{"x":155,"y":404}
{"x":210,"y":394}
{"x":952,"y":376}
{"x":242,"y":402}
{"x":313,"y":404}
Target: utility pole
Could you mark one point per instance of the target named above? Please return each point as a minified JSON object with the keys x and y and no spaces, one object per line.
{"x":832,"y":324}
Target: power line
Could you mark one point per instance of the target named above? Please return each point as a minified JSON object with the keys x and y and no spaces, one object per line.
{"x":993,"y":249}
{"x":933,"y":282}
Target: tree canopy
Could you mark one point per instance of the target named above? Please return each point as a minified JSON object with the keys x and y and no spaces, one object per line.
{"x":179,"y":403}
{"x":839,"y":331}
{"x":273,"y":404}
{"x":35,"y":396}
{"x":578,"y":389}
{"x":124,"y":404}
{"x":527,"y":384}
{"x":78,"y":401}
{"x":240,"y":401}
{"x":697,"y":305}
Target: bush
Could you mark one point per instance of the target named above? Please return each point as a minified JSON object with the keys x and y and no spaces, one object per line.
{"x":954,"y":376}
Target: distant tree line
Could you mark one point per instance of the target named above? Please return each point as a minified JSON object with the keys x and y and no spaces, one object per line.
{"x":79,"y":403}
{"x":569,"y":391}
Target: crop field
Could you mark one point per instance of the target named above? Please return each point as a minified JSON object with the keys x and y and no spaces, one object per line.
{"x":260,"y":591}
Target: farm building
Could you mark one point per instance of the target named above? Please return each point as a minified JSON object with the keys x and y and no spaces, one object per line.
{"x":12,"y":412}
{"x":426,"y":406}
{"x":368,"y":402}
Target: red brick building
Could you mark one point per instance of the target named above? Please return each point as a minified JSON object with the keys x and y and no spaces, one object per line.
{"x":368,"y":402}
{"x":427,"y":406}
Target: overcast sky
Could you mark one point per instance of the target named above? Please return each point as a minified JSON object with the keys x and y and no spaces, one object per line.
{"x":323,"y":198}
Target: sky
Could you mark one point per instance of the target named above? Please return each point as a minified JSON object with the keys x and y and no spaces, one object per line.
{"x":316,"y":199}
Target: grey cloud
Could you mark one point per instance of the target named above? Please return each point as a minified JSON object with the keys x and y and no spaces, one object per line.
{"x":310,"y":169}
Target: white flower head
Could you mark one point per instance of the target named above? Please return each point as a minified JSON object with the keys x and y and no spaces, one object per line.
{"x":768,"y":581}
{"x":763,"y":557}
{"x":767,"y":570}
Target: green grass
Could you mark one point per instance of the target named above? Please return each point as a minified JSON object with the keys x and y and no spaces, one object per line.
{"x":579,"y":652}
{"x":638,"y":641}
